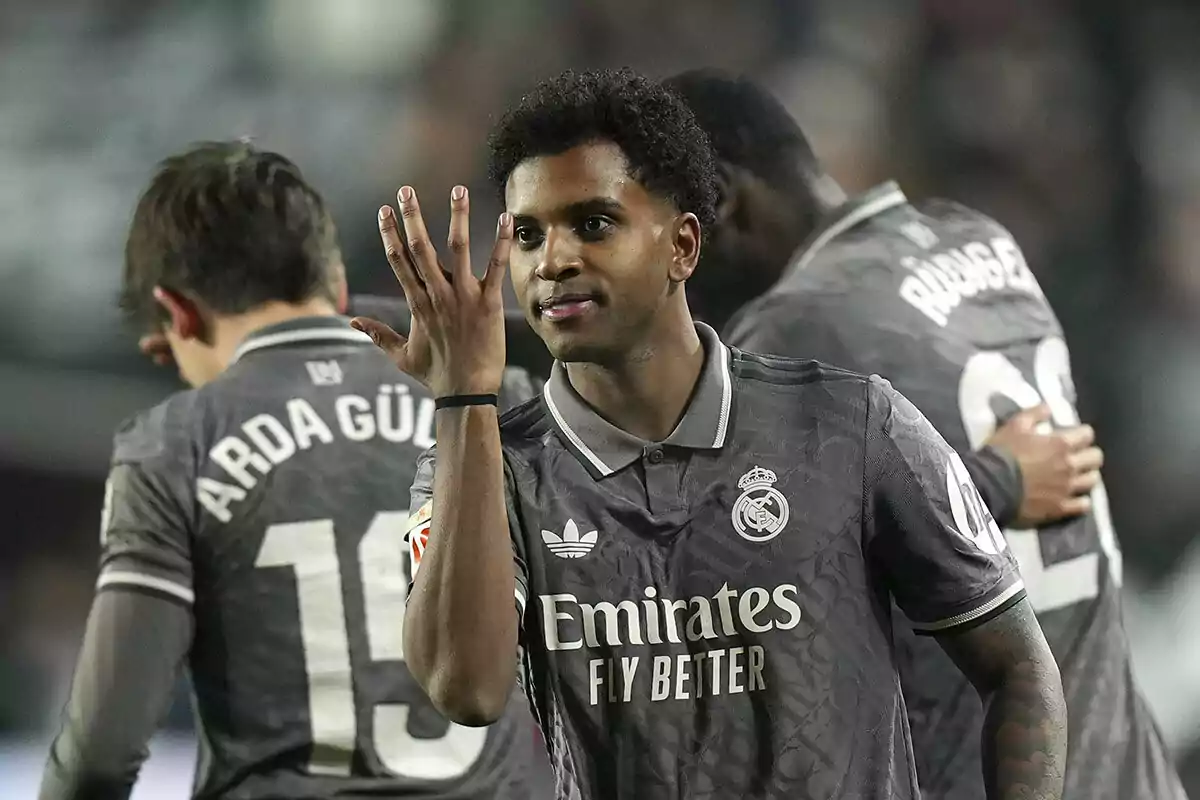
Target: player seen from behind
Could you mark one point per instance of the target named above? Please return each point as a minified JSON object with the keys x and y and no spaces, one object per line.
{"x":252,"y":532}
{"x":937,"y":298}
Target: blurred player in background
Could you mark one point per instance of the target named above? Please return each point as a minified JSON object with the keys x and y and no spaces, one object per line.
{"x":937,"y":299}
{"x":701,"y":542}
{"x":252,"y":530}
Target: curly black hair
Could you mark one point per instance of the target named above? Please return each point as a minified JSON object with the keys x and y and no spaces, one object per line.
{"x":746,"y":124}
{"x":231,"y":224}
{"x":667,"y":150}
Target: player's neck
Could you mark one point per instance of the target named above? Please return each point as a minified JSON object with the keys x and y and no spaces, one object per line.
{"x":229,"y":332}
{"x":647,"y":394}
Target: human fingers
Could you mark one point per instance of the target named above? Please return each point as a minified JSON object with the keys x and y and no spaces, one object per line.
{"x":402,"y":266}
{"x":497,"y":267}
{"x":420,"y":249}
{"x":458,"y":241}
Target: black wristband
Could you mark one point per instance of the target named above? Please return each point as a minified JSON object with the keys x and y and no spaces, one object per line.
{"x":460,"y":400}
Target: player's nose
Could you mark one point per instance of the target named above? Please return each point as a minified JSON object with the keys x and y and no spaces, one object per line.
{"x":561,"y":259}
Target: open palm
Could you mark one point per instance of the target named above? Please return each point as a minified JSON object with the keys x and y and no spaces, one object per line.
{"x":456,"y":342}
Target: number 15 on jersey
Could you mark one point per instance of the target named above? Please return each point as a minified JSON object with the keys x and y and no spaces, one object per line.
{"x":310,"y":549}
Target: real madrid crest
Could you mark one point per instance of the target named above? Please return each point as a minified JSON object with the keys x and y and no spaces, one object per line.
{"x":761,"y":511}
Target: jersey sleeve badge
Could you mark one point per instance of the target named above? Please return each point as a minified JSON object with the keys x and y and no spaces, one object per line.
{"x":418,"y":532}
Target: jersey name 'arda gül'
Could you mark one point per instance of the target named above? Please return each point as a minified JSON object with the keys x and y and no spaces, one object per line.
{"x":267,"y":440}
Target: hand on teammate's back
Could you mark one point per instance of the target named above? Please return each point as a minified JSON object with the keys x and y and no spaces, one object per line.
{"x":456,"y":343}
{"x":1058,"y":468}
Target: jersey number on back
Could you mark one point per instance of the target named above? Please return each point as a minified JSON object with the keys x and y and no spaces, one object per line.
{"x":310,"y":549}
{"x":988,"y":374}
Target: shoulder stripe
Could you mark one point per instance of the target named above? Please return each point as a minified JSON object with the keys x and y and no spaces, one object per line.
{"x":789,"y":371}
{"x":148,"y":582}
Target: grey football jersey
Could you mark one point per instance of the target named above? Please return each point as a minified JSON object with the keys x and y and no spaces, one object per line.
{"x":709,"y":616}
{"x":272,"y":501}
{"x":938,"y":300}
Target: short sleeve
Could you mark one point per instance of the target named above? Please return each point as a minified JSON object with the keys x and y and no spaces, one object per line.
{"x":420,"y":511}
{"x":928,"y":531}
{"x":145,"y":531}
{"x":420,"y":522}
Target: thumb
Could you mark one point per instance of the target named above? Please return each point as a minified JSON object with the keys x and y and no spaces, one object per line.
{"x":1030,"y":418}
{"x":383,"y":336}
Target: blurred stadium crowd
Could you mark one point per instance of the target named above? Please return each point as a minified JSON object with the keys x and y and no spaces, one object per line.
{"x":1077,"y":124}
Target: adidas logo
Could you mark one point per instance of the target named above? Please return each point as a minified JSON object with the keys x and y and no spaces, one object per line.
{"x":570,"y":544}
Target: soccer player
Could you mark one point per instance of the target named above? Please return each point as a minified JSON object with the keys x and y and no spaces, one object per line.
{"x":701,"y":542}
{"x":937,"y":299}
{"x":251,"y":531}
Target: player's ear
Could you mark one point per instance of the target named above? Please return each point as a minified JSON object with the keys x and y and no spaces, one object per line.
{"x":686,"y":247}
{"x":183,"y":315}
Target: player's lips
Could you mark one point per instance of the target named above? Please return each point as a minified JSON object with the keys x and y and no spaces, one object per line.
{"x":566,"y":306}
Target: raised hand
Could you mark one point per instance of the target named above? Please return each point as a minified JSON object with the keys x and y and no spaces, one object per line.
{"x":1058,"y":468}
{"x":456,"y":343}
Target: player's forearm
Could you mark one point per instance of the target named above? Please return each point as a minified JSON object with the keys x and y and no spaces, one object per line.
{"x":1025,"y":734}
{"x":1025,"y":728}
{"x":461,"y":625}
{"x":131,"y":654}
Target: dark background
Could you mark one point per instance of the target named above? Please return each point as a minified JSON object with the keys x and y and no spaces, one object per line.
{"x":1076,"y":123}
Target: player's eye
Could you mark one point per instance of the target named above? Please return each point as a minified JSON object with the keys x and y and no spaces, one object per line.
{"x":528,"y":237}
{"x":594,"y":227}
